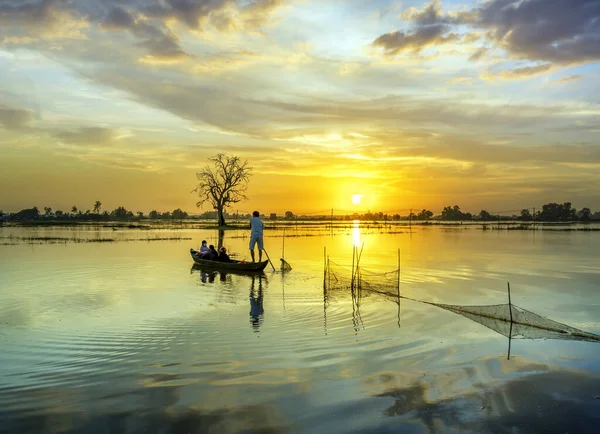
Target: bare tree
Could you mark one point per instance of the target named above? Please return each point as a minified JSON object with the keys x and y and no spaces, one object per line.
{"x":223,"y":183}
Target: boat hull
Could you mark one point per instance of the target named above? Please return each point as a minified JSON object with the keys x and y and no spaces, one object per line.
{"x":246,"y":267}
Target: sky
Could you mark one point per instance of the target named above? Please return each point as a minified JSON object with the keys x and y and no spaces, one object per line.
{"x":490,"y":104}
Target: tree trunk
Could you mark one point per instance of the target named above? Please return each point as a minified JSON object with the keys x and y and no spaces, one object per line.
{"x":220,"y":239}
{"x":220,"y":217}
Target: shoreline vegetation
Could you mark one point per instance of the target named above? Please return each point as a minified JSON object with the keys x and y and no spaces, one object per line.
{"x":338,"y":224}
{"x":551,"y":216}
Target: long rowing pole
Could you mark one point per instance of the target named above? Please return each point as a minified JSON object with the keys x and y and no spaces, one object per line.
{"x":265,"y":250}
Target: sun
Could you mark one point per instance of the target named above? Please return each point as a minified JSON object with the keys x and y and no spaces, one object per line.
{"x":356,"y":198}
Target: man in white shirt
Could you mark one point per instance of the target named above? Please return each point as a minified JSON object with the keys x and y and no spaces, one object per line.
{"x":256,"y":235}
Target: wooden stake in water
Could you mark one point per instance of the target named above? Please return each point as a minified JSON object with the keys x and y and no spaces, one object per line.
{"x":509,"y":340}
{"x":324,"y":267}
{"x":509,"y":304}
{"x":398,"y":274}
{"x":398,"y":287}
{"x":353,"y":270}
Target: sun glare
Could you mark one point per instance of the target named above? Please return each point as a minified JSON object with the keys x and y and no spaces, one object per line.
{"x":356,"y":198}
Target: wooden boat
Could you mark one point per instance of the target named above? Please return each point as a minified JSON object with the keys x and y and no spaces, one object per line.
{"x":226,"y":266}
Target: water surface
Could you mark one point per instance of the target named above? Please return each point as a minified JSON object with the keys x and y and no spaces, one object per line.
{"x":127,"y":336}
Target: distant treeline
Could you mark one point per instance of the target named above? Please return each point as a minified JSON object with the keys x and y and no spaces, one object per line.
{"x":551,"y":212}
{"x":119,"y":213}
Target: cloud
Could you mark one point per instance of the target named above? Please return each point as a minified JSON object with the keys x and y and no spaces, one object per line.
{"x":87,"y":136}
{"x":559,"y":31}
{"x":461,"y":80}
{"x":11,"y":118}
{"x":551,"y":31}
{"x":478,"y":54}
{"x":518,"y":73}
{"x":567,"y":79}
{"x":118,"y":19}
{"x":397,"y":42}
{"x":151,"y":22}
{"x":223,"y":15}
{"x":26,"y":21}
{"x":432,"y":14}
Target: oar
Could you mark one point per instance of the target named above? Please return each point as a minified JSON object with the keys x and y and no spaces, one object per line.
{"x":264,"y":250}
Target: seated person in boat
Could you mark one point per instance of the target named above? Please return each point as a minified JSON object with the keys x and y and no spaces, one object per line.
{"x":203,"y":248}
{"x":211,"y":254}
{"x":223,"y":256}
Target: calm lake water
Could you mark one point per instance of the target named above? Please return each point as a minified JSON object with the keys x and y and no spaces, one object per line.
{"x":127,"y":337}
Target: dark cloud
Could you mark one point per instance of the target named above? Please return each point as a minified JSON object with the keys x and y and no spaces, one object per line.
{"x":118,"y":19}
{"x":396,"y":42}
{"x":192,"y":13}
{"x":146,"y":20}
{"x":11,"y":118}
{"x":28,"y":12}
{"x":555,"y":31}
{"x":561,"y":31}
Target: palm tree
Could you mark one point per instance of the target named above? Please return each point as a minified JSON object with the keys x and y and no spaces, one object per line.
{"x":97,"y":207}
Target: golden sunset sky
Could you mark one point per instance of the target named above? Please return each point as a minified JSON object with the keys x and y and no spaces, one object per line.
{"x":485,"y":104}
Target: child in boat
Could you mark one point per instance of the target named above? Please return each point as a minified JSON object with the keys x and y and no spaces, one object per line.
{"x":211,"y":254}
{"x":223,"y":256}
{"x":203,"y":248}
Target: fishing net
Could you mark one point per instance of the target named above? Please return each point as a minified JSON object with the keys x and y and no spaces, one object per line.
{"x":340,"y":280}
{"x":285,"y":266}
{"x":507,"y":319}
{"x":524,"y":324}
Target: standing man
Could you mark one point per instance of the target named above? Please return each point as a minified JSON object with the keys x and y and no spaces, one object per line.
{"x":256,"y":235}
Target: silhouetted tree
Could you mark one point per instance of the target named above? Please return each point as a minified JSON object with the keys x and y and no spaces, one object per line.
{"x":153,"y":214}
{"x":525,"y":215}
{"x":454,"y":213}
{"x":97,"y":207}
{"x":289,"y":215}
{"x":179,"y":214}
{"x":58,"y":213}
{"x":424,"y":215}
{"x":26,"y":214}
{"x":557,"y":212}
{"x":140,"y":214}
{"x":222,"y":184}
{"x":586,"y":214}
{"x":73,"y":210}
{"x":47,"y":210}
{"x":484,"y":215}
{"x":120,"y":213}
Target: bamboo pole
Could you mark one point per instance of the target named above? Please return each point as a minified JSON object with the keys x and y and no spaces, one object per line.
{"x":509,"y":303}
